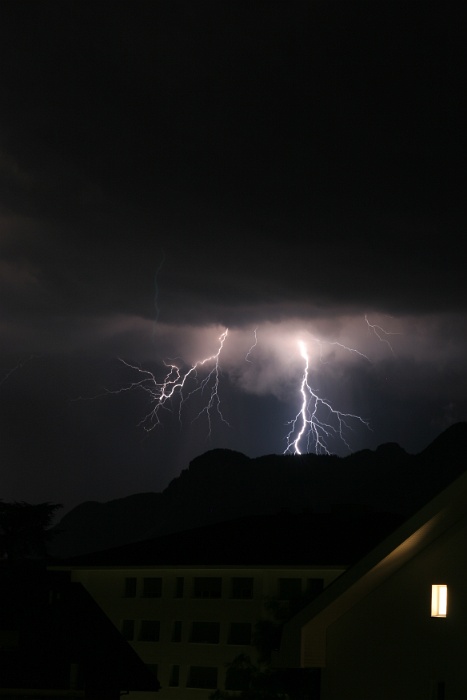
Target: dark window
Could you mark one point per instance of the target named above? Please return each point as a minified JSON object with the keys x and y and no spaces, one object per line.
{"x":128,"y":629}
{"x":205,"y":632}
{"x":290,"y":588}
{"x":202,"y":677}
{"x":437,"y":690}
{"x":130,"y":588}
{"x":314,"y":586}
{"x":177,"y":631}
{"x":179,"y":583}
{"x":150,"y":630}
{"x":152,"y":587}
{"x":239,"y":633}
{"x":207,"y":587}
{"x":242,"y":587}
{"x":174,"y":680}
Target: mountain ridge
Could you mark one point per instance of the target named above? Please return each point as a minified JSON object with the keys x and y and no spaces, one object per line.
{"x":222,"y":484}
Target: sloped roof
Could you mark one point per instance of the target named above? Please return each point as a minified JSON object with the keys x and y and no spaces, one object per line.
{"x":283,"y":539}
{"x":58,"y":623}
{"x":303,"y":638}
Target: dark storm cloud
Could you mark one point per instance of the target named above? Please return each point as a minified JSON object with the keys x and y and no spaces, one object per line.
{"x":169,"y":168}
{"x":304,"y":155}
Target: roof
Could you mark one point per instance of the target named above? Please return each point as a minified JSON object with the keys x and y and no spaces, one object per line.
{"x":303,"y":639}
{"x":285,"y":539}
{"x":53,"y":623}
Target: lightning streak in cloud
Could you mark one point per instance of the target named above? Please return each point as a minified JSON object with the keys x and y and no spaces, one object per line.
{"x":10,"y":371}
{"x":381,"y":334}
{"x":247,"y":356}
{"x":316,"y":423}
{"x":310,"y":425}
{"x":175,"y":383}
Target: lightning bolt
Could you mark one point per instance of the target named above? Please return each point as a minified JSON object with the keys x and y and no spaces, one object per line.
{"x":247,"y":356}
{"x":312,"y":428}
{"x":176,"y":383}
{"x":381,"y":334}
{"x":18,"y":366}
{"x":317,"y":420}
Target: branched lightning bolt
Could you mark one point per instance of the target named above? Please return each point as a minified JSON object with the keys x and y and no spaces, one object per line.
{"x":322,"y":343}
{"x":315,"y":423}
{"x":380,"y":333}
{"x":310,"y":423}
{"x":175,"y":385}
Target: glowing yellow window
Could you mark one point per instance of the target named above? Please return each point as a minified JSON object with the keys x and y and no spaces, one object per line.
{"x":439,"y":600}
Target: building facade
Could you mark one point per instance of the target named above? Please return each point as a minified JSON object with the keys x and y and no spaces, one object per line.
{"x":393,"y":626}
{"x":188,"y":623}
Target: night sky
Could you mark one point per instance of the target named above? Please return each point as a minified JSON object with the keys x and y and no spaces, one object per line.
{"x":292,"y":171}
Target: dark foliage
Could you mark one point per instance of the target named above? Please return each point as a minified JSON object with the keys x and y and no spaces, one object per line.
{"x":25,"y":530}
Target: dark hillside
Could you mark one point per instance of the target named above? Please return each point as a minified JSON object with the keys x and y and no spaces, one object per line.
{"x":221,"y":485}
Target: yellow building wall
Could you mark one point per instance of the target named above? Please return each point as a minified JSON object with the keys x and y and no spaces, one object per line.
{"x":107,"y":586}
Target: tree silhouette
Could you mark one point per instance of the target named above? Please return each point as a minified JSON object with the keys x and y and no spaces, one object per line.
{"x":247,"y":680}
{"x":25,"y":530}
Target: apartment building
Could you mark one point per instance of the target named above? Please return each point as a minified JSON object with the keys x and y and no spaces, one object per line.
{"x":188,"y":603}
{"x":187,"y":623}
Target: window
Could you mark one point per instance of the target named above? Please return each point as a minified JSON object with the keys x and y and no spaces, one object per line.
{"x":290,"y":588}
{"x":152,"y":587}
{"x":150,"y":630}
{"x":202,"y":677}
{"x":130,"y":588}
{"x":174,"y":680}
{"x":205,"y":632}
{"x":128,"y":629}
{"x":242,"y":587}
{"x":177,"y":631}
{"x":239,"y":633}
{"x":439,"y":600}
{"x":179,"y":584}
{"x":207,"y":587}
{"x":437,"y":690}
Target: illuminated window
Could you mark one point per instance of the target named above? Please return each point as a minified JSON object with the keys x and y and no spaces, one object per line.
{"x":439,"y":600}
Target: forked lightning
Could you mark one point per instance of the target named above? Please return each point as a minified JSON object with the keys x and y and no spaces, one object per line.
{"x":316,"y":423}
{"x":316,"y":420}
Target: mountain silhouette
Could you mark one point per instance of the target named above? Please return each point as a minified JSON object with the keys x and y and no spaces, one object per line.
{"x":222,"y":485}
